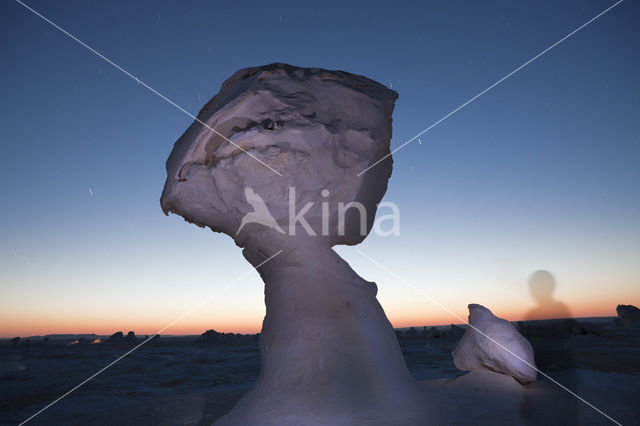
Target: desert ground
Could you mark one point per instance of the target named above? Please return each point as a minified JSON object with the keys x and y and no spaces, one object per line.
{"x":194,"y":380}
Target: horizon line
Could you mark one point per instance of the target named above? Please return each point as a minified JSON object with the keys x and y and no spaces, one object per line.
{"x":258,"y":332}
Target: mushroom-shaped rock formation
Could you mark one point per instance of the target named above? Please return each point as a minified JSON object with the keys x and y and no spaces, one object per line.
{"x":492,"y":343}
{"x":281,"y":175}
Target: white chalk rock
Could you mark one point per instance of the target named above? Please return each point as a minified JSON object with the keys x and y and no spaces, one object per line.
{"x":329,"y":356}
{"x":494,"y":344}
{"x":314,"y":131}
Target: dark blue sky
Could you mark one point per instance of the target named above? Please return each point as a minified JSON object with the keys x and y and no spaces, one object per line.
{"x":541,"y":172}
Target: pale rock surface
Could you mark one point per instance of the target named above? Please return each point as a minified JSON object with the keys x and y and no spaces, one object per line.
{"x":487,"y":381}
{"x":315,"y":127}
{"x":478,"y":350}
{"x":329,"y":356}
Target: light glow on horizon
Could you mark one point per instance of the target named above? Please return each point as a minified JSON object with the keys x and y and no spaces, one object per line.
{"x":420,"y":314}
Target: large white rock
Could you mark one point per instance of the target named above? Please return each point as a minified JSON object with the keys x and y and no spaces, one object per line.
{"x":319,"y":129}
{"x":492,"y":343}
{"x":329,"y":356}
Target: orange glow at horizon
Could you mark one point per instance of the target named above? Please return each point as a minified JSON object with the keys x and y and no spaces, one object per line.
{"x":252,"y":324}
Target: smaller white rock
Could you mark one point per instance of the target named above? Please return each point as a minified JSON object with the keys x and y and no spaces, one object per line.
{"x":497,"y":346}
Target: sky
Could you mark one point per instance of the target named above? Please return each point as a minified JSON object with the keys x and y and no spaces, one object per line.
{"x":541,"y":172}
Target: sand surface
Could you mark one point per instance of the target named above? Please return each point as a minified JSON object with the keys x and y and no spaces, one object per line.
{"x":178,"y":381}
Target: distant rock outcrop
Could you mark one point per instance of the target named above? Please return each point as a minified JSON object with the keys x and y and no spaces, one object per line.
{"x":411,"y":332}
{"x":214,"y":337}
{"x":434,"y":333}
{"x":492,"y":343}
{"x":131,"y":337}
{"x":211,"y":336}
{"x":456,"y":331}
{"x":116,"y":338}
{"x":629,"y":314}
{"x":89,"y":336}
